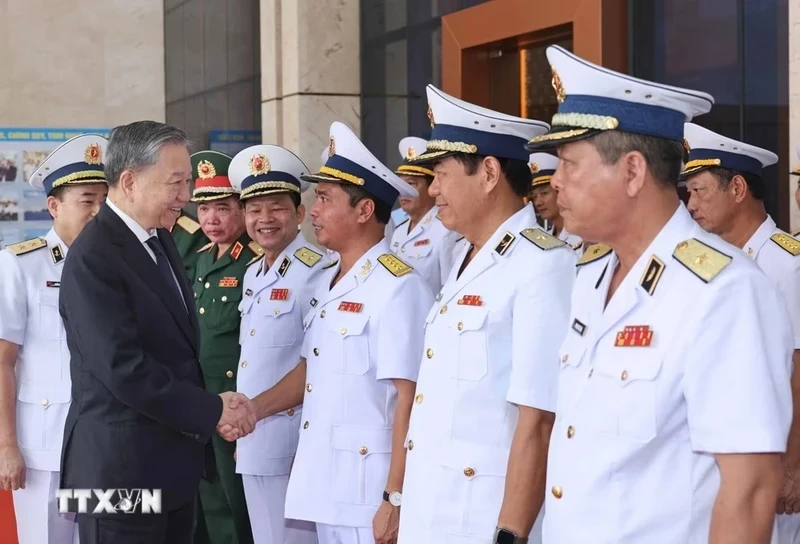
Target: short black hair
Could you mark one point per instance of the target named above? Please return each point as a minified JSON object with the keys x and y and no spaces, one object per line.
{"x":517,"y":172}
{"x":755,"y":184}
{"x":58,"y":192}
{"x":664,"y":157}
{"x":383,"y":212}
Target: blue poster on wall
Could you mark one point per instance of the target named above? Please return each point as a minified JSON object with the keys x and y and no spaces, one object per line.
{"x":231,"y":142}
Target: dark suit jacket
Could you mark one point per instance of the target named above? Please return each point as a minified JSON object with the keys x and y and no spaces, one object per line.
{"x":140,"y":415}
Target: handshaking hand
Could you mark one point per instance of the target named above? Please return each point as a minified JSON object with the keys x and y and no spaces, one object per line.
{"x":238,"y":416}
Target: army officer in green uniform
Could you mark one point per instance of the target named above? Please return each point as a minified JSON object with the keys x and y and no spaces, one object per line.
{"x":217,"y":281}
{"x":189,"y":237}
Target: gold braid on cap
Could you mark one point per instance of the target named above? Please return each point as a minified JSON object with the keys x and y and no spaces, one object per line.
{"x":585,"y":120}
{"x":455,"y":147}
{"x":342,"y":175}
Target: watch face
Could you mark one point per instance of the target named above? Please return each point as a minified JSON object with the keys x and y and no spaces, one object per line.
{"x":395,"y":498}
{"x":505,"y":537}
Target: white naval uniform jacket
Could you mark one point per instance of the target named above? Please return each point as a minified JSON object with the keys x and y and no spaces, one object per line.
{"x":776,"y":253}
{"x":631,"y":454}
{"x":428,"y":247}
{"x":274,"y":301}
{"x":360,"y":334}
{"x":29,"y":317}
{"x":491,"y":344}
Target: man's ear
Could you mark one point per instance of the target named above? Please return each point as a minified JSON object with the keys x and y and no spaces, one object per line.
{"x":492,"y":173}
{"x":365,"y":209}
{"x":635,"y":170}
{"x":738,"y":186}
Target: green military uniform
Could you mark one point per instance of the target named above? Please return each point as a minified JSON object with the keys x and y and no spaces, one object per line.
{"x":217,"y":283}
{"x":189,"y":238}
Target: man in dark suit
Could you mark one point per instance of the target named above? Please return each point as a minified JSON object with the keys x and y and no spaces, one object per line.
{"x":140,"y":417}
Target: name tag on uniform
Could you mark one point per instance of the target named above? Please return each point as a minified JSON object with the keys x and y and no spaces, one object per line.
{"x":470,"y":300}
{"x":229,"y":281}
{"x":638,"y":336}
{"x":578,"y":327}
{"x":279,"y":294}
{"x":248,"y":293}
{"x":424,"y":242}
{"x":350,"y":307}
{"x":54,"y":284}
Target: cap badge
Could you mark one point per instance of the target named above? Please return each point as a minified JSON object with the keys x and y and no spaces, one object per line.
{"x":558,"y":86}
{"x":206,"y":170}
{"x":93,"y":155}
{"x":411,"y":153}
{"x":534,"y":167}
{"x":430,"y":116}
{"x":332,"y":147}
{"x":259,"y":164}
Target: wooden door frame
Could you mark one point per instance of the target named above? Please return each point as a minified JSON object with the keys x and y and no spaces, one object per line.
{"x":599,"y":35}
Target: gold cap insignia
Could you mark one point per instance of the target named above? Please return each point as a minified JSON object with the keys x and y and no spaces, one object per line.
{"x":206,"y":170}
{"x":411,"y":153}
{"x":558,"y":86}
{"x":430,"y":116}
{"x":93,"y":155}
{"x":534,"y":167}
{"x":686,"y":146}
{"x":332,"y":147}
{"x":259,"y":164}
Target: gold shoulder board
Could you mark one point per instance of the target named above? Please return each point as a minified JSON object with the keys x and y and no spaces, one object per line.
{"x":331,"y":264}
{"x":787,"y":242}
{"x":394,"y":265}
{"x":254,"y":260}
{"x":541,"y":239}
{"x":702,"y":260}
{"x":188,"y":224}
{"x":593,"y":253}
{"x":255,"y":248}
{"x":307,"y":256}
{"x":27,"y":246}
{"x":206,"y":247}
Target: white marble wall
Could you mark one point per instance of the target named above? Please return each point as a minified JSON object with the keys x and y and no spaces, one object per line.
{"x":81,"y":63}
{"x":310,"y":75}
{"x":794,"y":108}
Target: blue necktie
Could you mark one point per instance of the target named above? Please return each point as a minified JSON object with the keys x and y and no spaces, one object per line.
{"x":163,"y":265}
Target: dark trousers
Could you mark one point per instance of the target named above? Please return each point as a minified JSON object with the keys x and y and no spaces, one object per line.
{"x":173,"y":527}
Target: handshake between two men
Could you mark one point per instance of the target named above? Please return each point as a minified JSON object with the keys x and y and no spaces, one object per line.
{"x":238,"y":416}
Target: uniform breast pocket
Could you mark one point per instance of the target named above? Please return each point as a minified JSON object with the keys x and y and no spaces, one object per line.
{"x":350,"y":340}
{"x":50,"y":323}
{"x":224,"y":314}
{"x":571,"y":375}
{"x":471,"y":326}
{"x":419,"y":257}
{"x":631,"y":386}
{"x":41,"y":412}
{"x":360,"y":463}
{"x":280,"y":324}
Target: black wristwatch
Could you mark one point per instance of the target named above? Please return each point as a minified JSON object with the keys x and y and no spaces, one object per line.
{"x":504,"y":536}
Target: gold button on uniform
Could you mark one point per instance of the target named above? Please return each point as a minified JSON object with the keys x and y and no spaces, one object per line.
{"x":202,"y":311}
{"x":344,"y":331}
{"x":461,"y":325}
{"x":624,"y":375}
{"x":322,"y":313}
{"x":362,"y":450}
{"x":229,"y":373}
{"x":244,"y":364}
{"x":253,"y":332}
{"x":290,"y":412}
{"x":45,"y":402}
{"x":207,"y":285}
{"x":224,"y":298}
{"x":565,"y":358}
{"x":305,"y":425}
{"x":276,"y":311}
{"x":419,"y":398}
{"x":469,"y":472}
{"x":309,"y":387}
{"x":443,"y":309}
{"x":570,"y":431}
{"x":557,"y":492}
{"x":429,"y":353}
{"x":316,"y":352}
{"x":411,"y":444}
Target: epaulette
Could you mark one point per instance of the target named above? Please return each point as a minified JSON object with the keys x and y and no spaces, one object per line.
{"x":206,"y":247}
{"x":702,"y":260}
{"x":307,"y":256}
{"x":593,"y":253}
{"x":21,"y":248}
{"x":394,"y":265}
{"x":255,"y":248}
{"x":576,"y":246}
{"x":331,"y":264}
{"x":541,"y":239}
{"x":254,"y":260}
{"x":786,"y":242}
{"x":188,"y":224}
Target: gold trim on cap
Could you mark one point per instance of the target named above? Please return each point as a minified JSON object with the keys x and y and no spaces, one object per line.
{"x":585,"y":120}
{"x":271,"y":186}
{"x":342,"y":175}
{"x":453,"y":147}
{"x":562,"y":135}
{"x":84,"y":176}
{"x":541,"y":180}
{"x":414,"y":170}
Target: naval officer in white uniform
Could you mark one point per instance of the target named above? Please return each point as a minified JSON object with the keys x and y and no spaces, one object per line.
{"x":483,"y":411}
{"x":277,"y":291}
{"x":35,"y":385}
{"x":360,"y":356}
{"x":726,"y":187}
{"x":674,"y":398}
{"x":545,"y":198}
{"x":422,"y":239}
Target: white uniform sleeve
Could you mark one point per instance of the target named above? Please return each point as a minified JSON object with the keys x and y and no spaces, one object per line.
{"x":401,"y":329}
{"x":539,"y":323}
{"x":13,"y":299}
{"x":737,"y":368}
{"x":789,"y":288}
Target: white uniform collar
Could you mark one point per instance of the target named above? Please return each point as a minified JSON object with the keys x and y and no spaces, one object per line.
{"x":759,"y":238}
{"x":140,"y":232}
{"x":285,"y":255}
{"x":56,"y":246}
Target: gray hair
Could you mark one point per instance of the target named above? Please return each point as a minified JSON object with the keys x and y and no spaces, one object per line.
{"x":137,"y":145}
